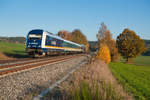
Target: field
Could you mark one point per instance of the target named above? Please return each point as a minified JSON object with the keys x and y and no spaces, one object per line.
{"x":142,"y":60}
{"x":13,"y":49}
{"x":135,"y":78}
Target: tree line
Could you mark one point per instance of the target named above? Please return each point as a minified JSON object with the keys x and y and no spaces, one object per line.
{"x":128,"y":45}
{"x":13,"y":39}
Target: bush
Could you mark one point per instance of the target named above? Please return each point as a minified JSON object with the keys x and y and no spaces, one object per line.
{"x":104,"y":53}
{"x":105,"y":37}
{"x":98,"y":91}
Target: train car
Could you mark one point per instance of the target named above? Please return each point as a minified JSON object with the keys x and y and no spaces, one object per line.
{"x":40,"y":42}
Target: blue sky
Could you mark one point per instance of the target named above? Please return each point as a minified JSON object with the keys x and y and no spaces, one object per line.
{"x":18,"y":17}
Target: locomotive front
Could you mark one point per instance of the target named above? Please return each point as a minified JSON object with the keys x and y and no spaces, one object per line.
{"x":33,"y":42}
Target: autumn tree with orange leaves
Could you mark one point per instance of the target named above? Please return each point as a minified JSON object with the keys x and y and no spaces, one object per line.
{"x":65,"y":35}
{"x":80,"y":38}
{"x":130,"y":45}
{"x":104,"y":53}
{"x":105,"y":37}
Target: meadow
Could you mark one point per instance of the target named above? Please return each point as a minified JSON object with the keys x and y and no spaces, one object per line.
{"x":14,"y":50}
{"x":135,"y":78}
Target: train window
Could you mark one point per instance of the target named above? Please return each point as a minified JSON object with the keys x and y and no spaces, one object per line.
{"x":66,"y":44}
{"x":48,"y":40}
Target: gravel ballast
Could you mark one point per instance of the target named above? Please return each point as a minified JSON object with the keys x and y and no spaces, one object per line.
{"x":19,"y":85}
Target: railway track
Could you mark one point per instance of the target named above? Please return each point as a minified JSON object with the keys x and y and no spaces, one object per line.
{"x":23,"y":60}
{"x":27,"y":65}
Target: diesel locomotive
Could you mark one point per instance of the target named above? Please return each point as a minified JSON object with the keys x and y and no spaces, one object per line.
{"x":41,"y":43}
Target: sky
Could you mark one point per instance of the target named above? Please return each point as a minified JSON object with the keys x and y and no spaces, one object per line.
{"x":18,"y":17}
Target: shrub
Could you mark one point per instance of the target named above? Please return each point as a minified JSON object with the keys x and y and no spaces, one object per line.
{"x":103,"y":53}
{"x":98,"y":91}
{"x":105,"y":37}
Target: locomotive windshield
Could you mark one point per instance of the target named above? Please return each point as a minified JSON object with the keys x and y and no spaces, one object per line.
{"x":34,"y":36}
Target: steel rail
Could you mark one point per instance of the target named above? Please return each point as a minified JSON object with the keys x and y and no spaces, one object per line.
{"x":13,"y":69}
{"x":27,"y":62}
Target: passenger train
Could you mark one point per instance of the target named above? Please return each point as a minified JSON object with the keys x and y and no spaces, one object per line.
{"x":40,"y":43}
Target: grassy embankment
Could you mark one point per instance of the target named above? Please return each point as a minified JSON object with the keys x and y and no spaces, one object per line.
{"x":135,"y":78}
{"x":12,"y":50}
{"x":91,"y":82}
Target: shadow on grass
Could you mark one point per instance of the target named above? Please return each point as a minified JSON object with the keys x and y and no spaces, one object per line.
{"x":16,"y":54}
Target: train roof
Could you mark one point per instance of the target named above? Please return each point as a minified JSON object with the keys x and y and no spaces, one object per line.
{"x":36,"y":31}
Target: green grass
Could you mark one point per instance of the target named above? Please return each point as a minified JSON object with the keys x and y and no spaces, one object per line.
{"x":12,"y":49}
{"x":135,"y":79}
{"x":99,"y":91}
{"x":140,"y":60}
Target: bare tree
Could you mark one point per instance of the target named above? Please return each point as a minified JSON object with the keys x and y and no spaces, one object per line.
{"x":105,"y":37}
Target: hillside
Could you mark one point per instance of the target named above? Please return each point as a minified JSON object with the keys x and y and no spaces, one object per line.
{"x":12,"y":50}
{"x":13,"y":39}
{"x":147,"y":43}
